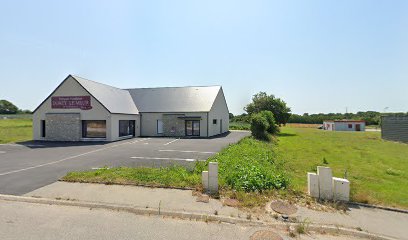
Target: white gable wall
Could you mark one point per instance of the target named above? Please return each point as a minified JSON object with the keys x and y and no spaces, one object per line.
{"x":70,"y":87}
{"x":220,"y":112}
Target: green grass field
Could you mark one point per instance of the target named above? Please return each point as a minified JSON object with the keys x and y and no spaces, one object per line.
{"x":377,"y":169}
{"x":15,"y":130}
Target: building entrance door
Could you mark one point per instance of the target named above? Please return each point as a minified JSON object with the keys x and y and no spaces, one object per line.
{"x":358,"y":127}
{"x":192,"y":128}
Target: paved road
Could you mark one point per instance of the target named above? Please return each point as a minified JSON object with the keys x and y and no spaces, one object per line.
{"x":21,"y":221}
{"x":26,"y":167}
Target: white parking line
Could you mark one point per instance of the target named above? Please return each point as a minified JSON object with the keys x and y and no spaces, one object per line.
{"x":2,"y":152}
{"x":68,"y":158}
{"x":158,"y":158}
{"x":171,"y":141}
{"x":136,"y":141}
{"x":167,"y":150}
{"x":11,"y":144}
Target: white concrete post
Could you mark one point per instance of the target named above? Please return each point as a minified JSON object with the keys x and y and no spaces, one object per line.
{"x":313,"y":185}
{"x":341,"y":189}
{"x":204,"y":180}
{"x":325,"y":182}
{"x":213,"y":177}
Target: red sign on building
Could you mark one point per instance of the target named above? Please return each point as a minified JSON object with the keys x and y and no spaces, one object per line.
{"x":71,"y":102}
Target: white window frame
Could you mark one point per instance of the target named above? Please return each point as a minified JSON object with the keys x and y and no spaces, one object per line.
{"x":159,"y":126}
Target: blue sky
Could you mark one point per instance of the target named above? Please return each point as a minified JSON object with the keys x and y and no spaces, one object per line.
{"x":319,"y":56}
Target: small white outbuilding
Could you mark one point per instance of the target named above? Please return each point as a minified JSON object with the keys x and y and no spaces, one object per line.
{"x":344,"y":125}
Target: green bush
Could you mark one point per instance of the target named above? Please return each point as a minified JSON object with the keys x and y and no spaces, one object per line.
{"x":254,"y":178}
{"x":251,"y":166}
{"x":259,"y":126}
{"x":273,"y":127}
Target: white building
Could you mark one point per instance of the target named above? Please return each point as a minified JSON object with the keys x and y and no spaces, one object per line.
{"x":344,"y":125}
{"x":83,"y":110}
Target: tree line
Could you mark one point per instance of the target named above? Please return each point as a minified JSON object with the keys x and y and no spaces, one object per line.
{"x":7,"y":107}
{"x":370,"y":117}
{"x":282,"y":113}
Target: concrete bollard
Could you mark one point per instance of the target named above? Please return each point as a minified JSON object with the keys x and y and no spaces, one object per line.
{"x":313,"y":184}
{"x":341,"y":189}
{"x":213,"y":177}
{"x":204,"y":180}
{"x":325,"y":176}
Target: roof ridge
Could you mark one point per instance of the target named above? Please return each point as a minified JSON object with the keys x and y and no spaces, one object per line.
{"x":173,"y":87}
{"x":75,"y":76}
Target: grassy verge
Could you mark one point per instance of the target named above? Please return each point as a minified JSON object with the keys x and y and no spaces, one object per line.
{"x":15,"y":130}
{"x":239,"y":126}
{"x":159,"y":177}
{"x":377,"y":169}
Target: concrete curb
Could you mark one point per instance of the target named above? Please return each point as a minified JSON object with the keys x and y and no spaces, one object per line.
{"x":194,"y":216}
{"x":379,"y":207}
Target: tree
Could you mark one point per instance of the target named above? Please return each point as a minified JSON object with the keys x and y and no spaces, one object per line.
{"x":231,"y":116}
{"x":259,"y":126}
{"x":7,"y":107}
{"x":261,"y":101}
{"x":273,"y":128}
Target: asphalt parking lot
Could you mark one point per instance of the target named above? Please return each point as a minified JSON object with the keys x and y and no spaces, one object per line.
{"x":31,"y":165}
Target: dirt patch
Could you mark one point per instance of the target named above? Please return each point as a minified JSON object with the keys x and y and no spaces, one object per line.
{"x":265,"y":235}
{"x":203,"y":198}
{"x":231,"y":202}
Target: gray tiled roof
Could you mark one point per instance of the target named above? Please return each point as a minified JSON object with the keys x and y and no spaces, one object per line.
{"x":116,"y":100}
{"x":175,"y":99}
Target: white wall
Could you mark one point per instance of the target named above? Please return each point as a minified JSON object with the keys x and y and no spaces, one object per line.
{"x":149,"y":122}
{"x":343,"y":126}
{"x":328,"y":126}
{"x":218,"y":111}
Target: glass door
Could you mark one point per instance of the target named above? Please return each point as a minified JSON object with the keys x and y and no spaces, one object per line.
{"x":192,"y":128}
{"x":196,"y":128}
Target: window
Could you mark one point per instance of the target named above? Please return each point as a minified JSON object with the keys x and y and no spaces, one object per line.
{"x":159,"y":126}
{"x":126,"y":128}
{"x":43,"y":128}
{"x":94,"y":128}
{"x":214,"y":121}
{"x":350,"y":126}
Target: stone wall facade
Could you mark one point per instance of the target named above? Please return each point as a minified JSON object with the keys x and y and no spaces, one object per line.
{"x":63,"y":127}
{"x":173,"y":126}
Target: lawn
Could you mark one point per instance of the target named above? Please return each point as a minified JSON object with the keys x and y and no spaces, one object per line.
{"x":377,"y":169}
{"x":15,"y":130}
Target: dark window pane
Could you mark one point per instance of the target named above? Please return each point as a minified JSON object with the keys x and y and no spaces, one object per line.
{"x":196,"y":128}
{"x":94,"y":128}
{"x":189,"y":128}
{"x":124,"y":128}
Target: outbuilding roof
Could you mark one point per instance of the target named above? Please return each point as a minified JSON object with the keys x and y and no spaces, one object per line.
{"x":115,"y":100}
{"x":344,"y":120}
{"x":175,"y":99}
